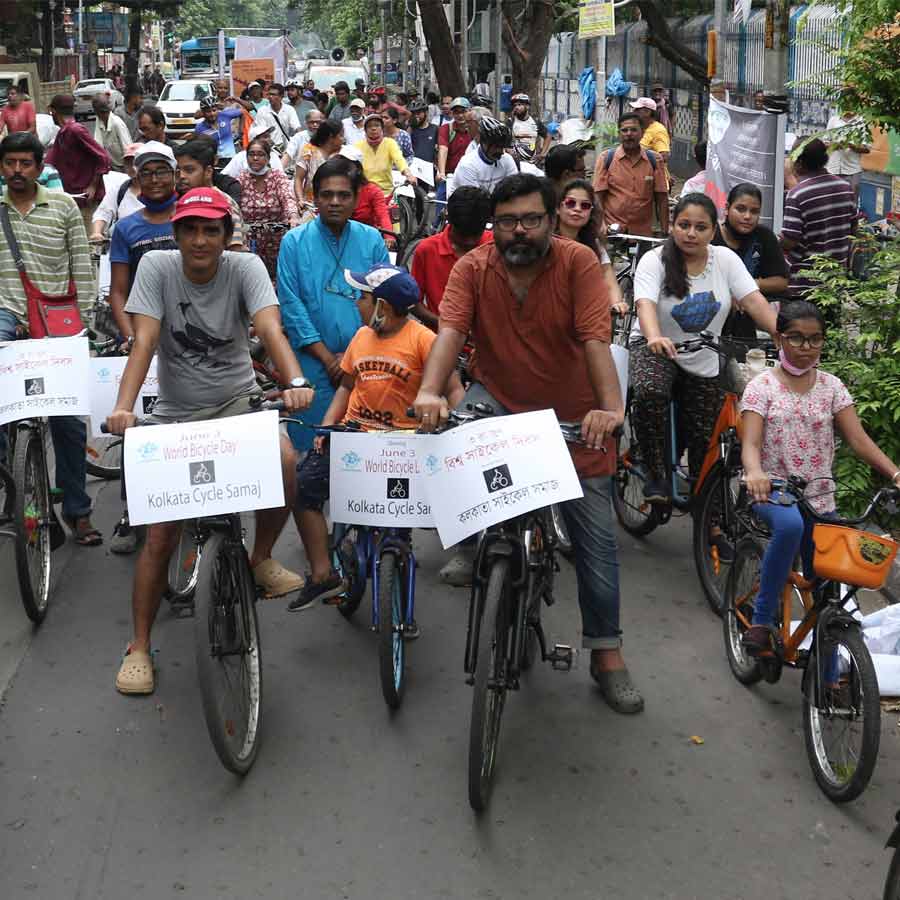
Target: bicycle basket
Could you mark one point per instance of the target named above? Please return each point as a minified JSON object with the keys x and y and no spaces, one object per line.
{"x":854,"y":557}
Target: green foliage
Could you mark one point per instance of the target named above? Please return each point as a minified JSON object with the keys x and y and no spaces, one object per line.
{"x":350,"y":23}
{"x":865,"y":354}
{"x":199,"y":18}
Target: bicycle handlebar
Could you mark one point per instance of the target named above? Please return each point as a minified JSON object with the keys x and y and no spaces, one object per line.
{"x":257,"y":404}
{"x":888,"y":497}
{"x":706,"y":340}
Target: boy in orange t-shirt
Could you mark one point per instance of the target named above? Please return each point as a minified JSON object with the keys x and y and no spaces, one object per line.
{"x":383,"y":367}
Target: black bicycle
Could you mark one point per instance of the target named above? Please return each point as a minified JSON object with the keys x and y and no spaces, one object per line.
{"x":513,"y":575}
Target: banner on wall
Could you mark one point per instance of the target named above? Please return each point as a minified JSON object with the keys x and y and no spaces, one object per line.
{"x":596,"y":18}
{"x":746,"y":145}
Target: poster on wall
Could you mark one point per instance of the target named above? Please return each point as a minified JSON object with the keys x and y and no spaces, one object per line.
{"x":746,"y":145}
{"x":596,"y":18}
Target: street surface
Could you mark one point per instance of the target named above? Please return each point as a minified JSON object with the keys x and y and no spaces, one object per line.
{"x":114,"y":797}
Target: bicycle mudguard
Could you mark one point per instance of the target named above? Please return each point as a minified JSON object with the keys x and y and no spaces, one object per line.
{"x":728,"y":418}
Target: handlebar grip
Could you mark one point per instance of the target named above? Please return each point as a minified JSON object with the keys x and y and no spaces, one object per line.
{"x":103,"y":428}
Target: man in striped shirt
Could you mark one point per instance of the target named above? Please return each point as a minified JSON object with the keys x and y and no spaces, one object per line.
{"x":819,"y":216}
{"x":50,"y":233}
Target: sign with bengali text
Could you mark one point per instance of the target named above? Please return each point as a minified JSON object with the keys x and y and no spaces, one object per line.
{"x":48,"y":377}
{"x":106,"y":376}
{"x":596,"y":18}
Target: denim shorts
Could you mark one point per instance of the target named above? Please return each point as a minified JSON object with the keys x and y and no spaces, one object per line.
{"x":313,"y":479}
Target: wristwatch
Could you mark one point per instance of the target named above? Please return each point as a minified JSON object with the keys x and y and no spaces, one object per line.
{"x":301,"y":382}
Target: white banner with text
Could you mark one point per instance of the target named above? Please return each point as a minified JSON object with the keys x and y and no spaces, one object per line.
{"x":47,"y":377}
{"x":207,"y":468}
{"x":106,"y":376}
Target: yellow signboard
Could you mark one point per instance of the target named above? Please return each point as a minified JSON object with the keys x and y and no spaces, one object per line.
{"x":596,"y":19}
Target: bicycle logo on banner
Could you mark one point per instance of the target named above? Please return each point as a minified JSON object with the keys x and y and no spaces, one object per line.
{"x":497,"y":478}
{"x":202,"y":472}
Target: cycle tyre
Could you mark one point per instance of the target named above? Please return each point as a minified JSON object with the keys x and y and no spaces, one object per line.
{"x":892,"y":882}
{"x":709,"y":503}
{"x":741,"y":586}
{"x":487,"y":699}
{"x":345,"y":562}
{"x":184,"y":565}
{"x":842,"y":792}
{"x":635,"y":515}
{"x":234,"y":731}
{"x":97,"y":458}
{"x":391,"y":648}
{"x":31,"y":523}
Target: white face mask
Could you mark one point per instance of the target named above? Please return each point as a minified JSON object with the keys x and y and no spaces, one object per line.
{"x":263,"y":170}
{"x":376,"y":323}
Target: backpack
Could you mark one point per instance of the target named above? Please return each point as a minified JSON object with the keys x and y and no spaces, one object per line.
{"x":123,"y":190}
{"x":651,"y":155}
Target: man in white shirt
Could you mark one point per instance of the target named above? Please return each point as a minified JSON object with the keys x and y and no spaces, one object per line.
{"x":110,"y":132}
{"x":239,"y":161}
{"x":489,"y":163}
{"x":844,"y":157}
{"x":281,"y":116}
{"x":314,"y":118}
{"x":353,"y":124}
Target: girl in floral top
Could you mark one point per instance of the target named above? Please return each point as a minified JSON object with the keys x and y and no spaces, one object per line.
{"x":789,"y":416}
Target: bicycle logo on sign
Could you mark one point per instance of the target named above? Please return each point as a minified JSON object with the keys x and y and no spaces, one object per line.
{"x":398,"y":488}
{"x":202,"y":472}
{"x":497,"y":479}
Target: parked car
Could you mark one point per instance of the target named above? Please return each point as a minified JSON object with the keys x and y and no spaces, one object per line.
{"x":86,"y":90}
{"x":179,"y":101}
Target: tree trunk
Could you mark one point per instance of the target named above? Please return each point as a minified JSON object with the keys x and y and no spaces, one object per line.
{"x":526,"y":39}
{"x":133,"y":59}
{"x":659,"y":35}
{"x":441,"y":48}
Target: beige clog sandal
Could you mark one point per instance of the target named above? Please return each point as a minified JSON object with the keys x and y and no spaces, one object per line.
{"x":136,"y":673}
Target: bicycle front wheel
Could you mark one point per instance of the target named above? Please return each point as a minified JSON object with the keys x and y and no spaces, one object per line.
{"x":737,"y":609}
{"x":226,"y":642}
{"x":635,"y":514}
{"x":31,"y":521}
{"x":103,"y":456}
{"x":714,"y":515}
{"x":490,"y":684}
{"x":391,"y":650}
{"x":842,"y":720}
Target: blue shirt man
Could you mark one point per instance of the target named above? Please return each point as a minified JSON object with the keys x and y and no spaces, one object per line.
{"x":221,"y":128}
{"x":318,"y":307}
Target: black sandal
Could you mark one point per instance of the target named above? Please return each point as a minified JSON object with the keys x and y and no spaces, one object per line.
{"x":83,"y":532}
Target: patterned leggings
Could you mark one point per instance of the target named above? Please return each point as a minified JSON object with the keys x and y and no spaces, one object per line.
{"x":655,"y":380}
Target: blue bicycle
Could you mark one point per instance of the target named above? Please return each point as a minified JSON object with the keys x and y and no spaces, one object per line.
{"x":385,"y":555}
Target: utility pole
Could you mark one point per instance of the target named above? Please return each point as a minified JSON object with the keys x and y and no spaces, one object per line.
{"x":775,"y":52}
{"x":464,"y":41}
{"x":719,"y":20}
{"x":498,"y":55}
{"x":384,"y":5}
{"x":404,"y":50}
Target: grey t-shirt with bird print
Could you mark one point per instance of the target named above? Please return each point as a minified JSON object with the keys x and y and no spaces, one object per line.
{"x":203,"y":358}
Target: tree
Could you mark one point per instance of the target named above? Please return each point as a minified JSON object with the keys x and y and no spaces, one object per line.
{"x":659,"y":35}
{"x":441,"y":48}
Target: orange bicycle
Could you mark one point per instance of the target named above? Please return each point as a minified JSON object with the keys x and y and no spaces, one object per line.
{"x":710,"y":497}
{"x":841,"y":708}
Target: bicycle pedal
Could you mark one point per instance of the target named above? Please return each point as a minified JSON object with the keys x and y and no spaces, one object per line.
{"x":561,"y":657}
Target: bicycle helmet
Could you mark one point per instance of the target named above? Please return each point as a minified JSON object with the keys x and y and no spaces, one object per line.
{"x":523,"y":151}
{"x":493,"y":132}
{"x":521,"y":98}
{"x":418,"y":106}
{"x":207,"y":103}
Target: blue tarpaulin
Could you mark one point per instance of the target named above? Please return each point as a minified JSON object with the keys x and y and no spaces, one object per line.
{"x":587,"y":84}
{"x":616,"y":85}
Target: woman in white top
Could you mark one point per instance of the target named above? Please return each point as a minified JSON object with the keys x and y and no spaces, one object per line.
{"x":682,"y":288}
{"x":118,"y":201}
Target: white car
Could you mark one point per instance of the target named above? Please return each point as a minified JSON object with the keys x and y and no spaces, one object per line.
{"x":179,"y":101}
{"x":86,"y":90}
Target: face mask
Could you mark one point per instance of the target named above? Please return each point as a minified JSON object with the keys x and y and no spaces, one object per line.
{"x":376,"y":323}
{"x":790,"y":368}
{"x":157,"y":205}
{"x":263,"y":170}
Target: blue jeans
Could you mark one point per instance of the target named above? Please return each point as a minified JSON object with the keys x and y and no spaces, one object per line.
{"x":69,"y":436}
{"x":591,"y":527}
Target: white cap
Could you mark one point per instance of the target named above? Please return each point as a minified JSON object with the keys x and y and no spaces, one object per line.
{"x":643,"y":103}
{"x":259,"y":128}
{"x":154,"y":151}
{"x":348,"y":151}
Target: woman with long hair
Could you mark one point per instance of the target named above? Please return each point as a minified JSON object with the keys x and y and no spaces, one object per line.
{"x":575,"y":220}
{"x":266,"y":196}
{"x":682,"y":288}
{"x":323,"y":144}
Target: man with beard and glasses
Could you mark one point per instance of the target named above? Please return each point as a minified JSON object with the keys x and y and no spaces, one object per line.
{"x":538,"y":312}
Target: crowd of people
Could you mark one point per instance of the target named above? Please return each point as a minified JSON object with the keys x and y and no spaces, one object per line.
{"x":521,"y":271}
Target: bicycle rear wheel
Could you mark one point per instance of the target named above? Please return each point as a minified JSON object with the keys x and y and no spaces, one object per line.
{"x":226,"y":643}
{"x":346,"y":562}
{"x":741,"y":589}
{"x":635,"y":514}
{"x":391,"y":650}
{"x":842,"y":735}
{"x":489,"y":693}
{"x":184,"y":565}
{"x":103,"y":456}
{"x":31,"y":523}
{"x":715,"y":507}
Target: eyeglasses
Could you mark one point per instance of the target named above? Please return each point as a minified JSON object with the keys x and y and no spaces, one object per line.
{"x":529,"y":221}
{"x":572,"y":203}
{"x":815,"y":341}
{"x":156,"y":174}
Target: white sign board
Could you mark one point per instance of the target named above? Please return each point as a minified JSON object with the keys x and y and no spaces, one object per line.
{"x":106,"y":376}
{"x":620,"y":356}
{"x":207,"y":468}
{"x":492,"y":470}
{"x":378,"y":479}
{"x":48,"y":377}
{"x":424,"y":171}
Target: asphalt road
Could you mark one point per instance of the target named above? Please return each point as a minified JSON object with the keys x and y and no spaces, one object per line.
{"x":112,"y":797}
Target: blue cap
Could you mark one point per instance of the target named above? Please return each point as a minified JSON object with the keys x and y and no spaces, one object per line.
{"x":393,"y":284}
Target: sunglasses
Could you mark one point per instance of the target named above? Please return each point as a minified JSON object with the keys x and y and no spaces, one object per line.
{"x":572,"y":203}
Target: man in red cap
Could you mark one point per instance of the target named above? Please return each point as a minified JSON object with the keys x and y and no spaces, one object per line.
{"x":193,"y":307}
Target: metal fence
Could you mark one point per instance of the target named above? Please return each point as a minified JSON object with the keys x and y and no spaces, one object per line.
{"x":814,"y":49}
